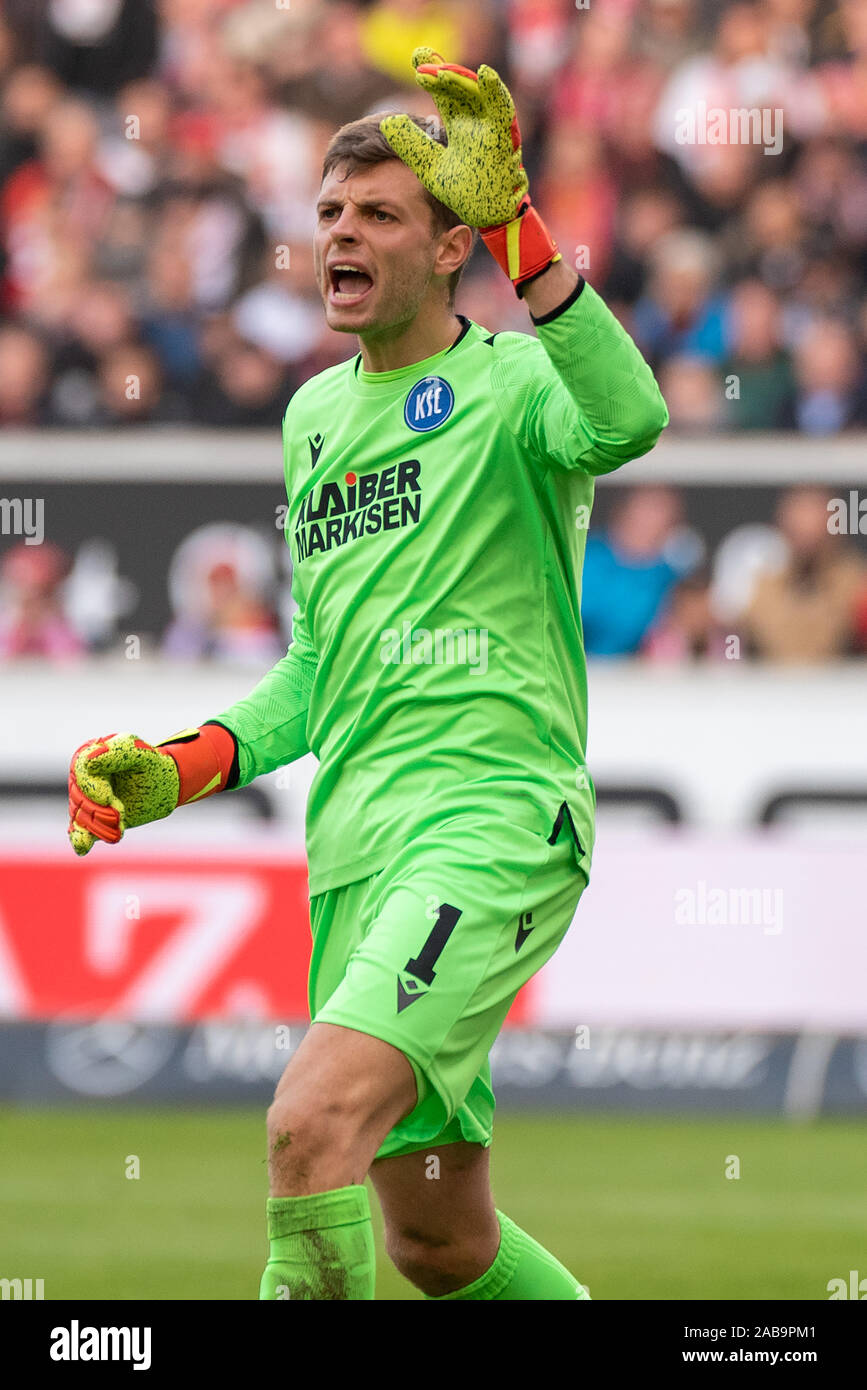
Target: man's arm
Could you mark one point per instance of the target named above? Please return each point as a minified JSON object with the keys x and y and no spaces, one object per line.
{"x":270,"y":724}
{"x":606,"y":407}
{"x":603,"y":407}
{"x":119,"y":781}
{"x":548,"y":291}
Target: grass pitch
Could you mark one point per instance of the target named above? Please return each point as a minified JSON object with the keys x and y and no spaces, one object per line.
{"x":637,"y":1208}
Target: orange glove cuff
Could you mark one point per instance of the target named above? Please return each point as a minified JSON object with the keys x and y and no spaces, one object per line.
{"x":524,"y":247}
{"x":205,"y":759}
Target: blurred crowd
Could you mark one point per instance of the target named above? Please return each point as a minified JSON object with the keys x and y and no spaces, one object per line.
{"x":794,"y":591}
{"x":791,"y":591}
{"x":159,"y":161}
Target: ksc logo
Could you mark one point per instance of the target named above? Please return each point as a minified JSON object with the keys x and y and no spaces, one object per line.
{"x":428,"y":404}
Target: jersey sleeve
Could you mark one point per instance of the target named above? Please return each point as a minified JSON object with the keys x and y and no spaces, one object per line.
{"x":588,"y":399}
{"x":270,"y":724}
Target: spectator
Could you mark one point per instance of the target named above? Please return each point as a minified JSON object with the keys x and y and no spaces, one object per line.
{"x":667,"y":32}
{"x":221,"y":582}
{"x":100,"y":45}
{"x":138,"y":156}
{"x":830,"y":384}
{"x":738,"y":72}
{"x":682,"y":312}
{"x":538,"y":32}
{"x":760,"y":381}
{"x":100,"y":319}
{"x":579,"y":195}
{"x":248,"y":386}
{"x":591,"y":83}
{"x":28,"y":96}
{"x":831,"y":186}
{"x":806,"y":610}
{"x":170,"y":324}
{"x":347,"y":85}
{"x":773,"y":244}
{"x":789,"y":29}
{"x":133,"y":391}
{"x":53,"y":205}
{"x":642,"y":219}
{"x":393,"y":28}
{"x":688,"y":629}
{"x":23,"y":376}
{"x":282,"y":314}
{"x":843,"y":83}
{"x":693,"y":392}
{"x":631,"y":569}
{"x":32,"y":618}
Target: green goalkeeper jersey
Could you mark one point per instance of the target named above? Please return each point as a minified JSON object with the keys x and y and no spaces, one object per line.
{"x":437,"y":519}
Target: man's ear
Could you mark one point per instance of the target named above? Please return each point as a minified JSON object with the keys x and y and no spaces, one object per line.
{"x":455,"y":245}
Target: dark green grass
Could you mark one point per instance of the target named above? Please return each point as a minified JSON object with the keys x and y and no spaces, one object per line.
{"x":637,"y":1208}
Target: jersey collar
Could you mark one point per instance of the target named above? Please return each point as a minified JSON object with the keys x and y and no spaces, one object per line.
{"x":383,"y":383}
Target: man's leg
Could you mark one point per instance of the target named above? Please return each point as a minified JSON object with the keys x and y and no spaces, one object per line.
{"x":426,"y":956}
{"x":429,"y":955}
{"x":444,"y":1234}
{"x":441,"y":1229}
{"x":338,"y":1098}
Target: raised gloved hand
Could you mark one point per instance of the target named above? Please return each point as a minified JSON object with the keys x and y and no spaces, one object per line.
{"x":119,"y":781}
{"x":479,"y":174}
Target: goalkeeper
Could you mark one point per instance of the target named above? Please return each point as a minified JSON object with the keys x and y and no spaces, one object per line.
{"x":439,"y":487}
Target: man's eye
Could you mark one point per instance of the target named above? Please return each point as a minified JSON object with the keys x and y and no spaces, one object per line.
{"x":379,"y":213}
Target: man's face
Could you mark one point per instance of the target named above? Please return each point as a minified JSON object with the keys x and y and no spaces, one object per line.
{"x":378,"y":224}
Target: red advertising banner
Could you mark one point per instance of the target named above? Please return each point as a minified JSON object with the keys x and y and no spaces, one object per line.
{"x":169,"y":937}
{"x":172,"y":939}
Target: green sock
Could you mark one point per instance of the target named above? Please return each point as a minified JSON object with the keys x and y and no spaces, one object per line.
{"x":321,"y":1247}
{"x":523,"y":1270}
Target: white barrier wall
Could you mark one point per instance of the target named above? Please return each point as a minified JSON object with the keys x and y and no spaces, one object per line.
{"x":218,"y":455}
{"x":723,"y":738}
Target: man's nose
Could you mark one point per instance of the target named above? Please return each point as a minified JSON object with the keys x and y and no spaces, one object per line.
{"x":345,"y":228}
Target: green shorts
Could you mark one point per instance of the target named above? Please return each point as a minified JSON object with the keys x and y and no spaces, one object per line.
{"x":429,"y":953}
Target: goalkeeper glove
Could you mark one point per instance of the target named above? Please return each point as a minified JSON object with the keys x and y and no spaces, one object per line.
{"x":119,"y":781}
{"x":478,"y":174}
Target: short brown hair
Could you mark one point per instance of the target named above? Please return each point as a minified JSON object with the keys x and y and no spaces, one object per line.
{"x":361,"y":145}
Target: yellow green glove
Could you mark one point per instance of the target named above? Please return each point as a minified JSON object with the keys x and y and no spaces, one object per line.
{"x":119,"y":781}
{"x":479,"y":173}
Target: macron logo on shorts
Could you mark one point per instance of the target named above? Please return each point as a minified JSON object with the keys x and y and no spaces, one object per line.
{"x":525,"y":926}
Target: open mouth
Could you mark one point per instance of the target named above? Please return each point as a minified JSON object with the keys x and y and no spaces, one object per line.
{"x":348,"y":284}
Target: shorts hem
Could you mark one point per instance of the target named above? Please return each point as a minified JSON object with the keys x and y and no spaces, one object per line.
{"x":434,"y":1142}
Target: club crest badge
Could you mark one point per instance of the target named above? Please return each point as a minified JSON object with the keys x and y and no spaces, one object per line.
{"x":429,"y":403}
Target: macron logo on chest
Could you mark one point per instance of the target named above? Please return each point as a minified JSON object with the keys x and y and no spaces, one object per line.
{"x":429,"y":403}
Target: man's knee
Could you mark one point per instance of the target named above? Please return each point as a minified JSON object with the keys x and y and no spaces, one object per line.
{"x":438,"y":1263}
{"x":310,"y":1126}
{"x":330,"y":1115}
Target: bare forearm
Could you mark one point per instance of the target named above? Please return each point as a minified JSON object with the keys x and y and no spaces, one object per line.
{"x":549,"y":290}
